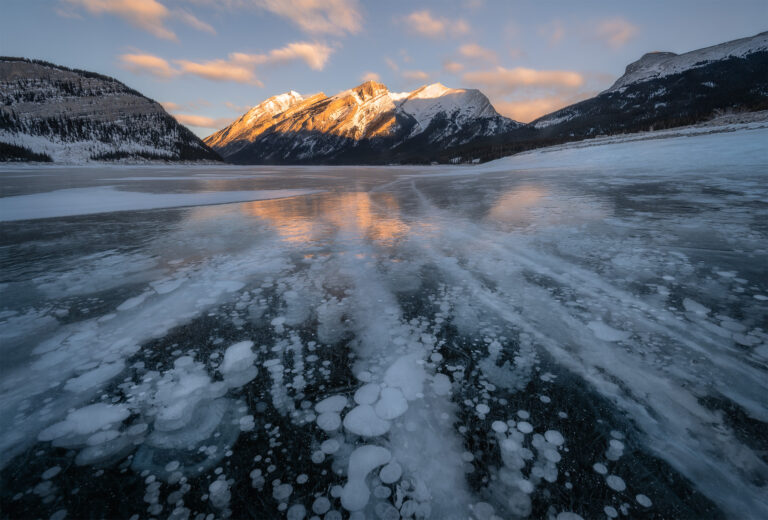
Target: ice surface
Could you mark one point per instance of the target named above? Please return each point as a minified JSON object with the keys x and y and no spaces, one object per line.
{"x":87,"y":201}
{"x":518,"y":337}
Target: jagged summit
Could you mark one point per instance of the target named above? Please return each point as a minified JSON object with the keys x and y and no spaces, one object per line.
{"x":292,"y":128}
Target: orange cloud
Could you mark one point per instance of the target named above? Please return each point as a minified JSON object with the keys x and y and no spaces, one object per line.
{"x":318,"y":17}
{"x":616,"y":31}
{"x":524,"y":77}
{"x":148,"y":15}
{"x":370,"y":76}
{"x":239,"y":67}
{"x":314,"y":54}
{"x":475,"y":51}
{"x":526,"y":110}
{"x":424,"y":24}
{"x":219,"y":70}
{"x":203,"y":121}
{"x":148,"y":64}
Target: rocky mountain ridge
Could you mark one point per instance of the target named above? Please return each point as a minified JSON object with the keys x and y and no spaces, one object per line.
{"x":74,"y":116}
{"x":291,"y":128}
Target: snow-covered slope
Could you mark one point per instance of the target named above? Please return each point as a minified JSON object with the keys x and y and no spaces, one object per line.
{"x":367,"y":119}
{"x":425,"y":103}
{"x":660,"y":64}
{"x":75,"y":116}
{"x":663,"y":90}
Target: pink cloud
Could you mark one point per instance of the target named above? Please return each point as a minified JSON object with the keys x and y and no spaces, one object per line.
{"x":148,"y":15}
{"x":238,"y":67}
{"x":424,"y":24}
{"x":336,"y":17}
{"x":475,"y":51}
{"x":524,"y":77}
{"x":370,"y":76}
{"x":452,"y":67}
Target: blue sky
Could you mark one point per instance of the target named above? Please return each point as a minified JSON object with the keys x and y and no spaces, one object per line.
{"x":208,"y":61}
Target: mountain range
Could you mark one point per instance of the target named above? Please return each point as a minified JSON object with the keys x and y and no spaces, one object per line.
{"x":365,"y":124}
{"x":51,"y":112}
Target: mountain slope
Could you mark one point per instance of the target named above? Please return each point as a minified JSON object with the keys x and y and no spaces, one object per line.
{"x":664,"y":89}
{"x":365,"y":124}
{"x":660,"y":90}
{"x":77,"y":116}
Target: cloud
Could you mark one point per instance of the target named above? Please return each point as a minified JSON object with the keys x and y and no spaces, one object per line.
{"x":237,"y":108}
{"x":238,"y":67}
{"x":336,"y":17}
{"x":616,"y":31}
{"x":475,"y":51}
{"x":314,"y":54}
{"x":170,"y":106}
{"x":392,"y":64}
{"x":148,"y":15}
{"x":424,"y":24}
{"x":524,"y":77}
{"x":219,"y":70}
{"x":194,"y":22}
{"x":415,"y":75}
{"x":370,"y":76}
{"x":214,"y":123}
{"x":553,"y":32}
{"x":452,"y":67}
{"x":148,"y":64}
{"x":527,"y":110}
{"x":525,"y":94}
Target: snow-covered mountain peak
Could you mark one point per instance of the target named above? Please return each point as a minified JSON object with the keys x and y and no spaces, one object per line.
{"x":316,"y":126}
{"x":433,"y":90}
{"x":659,"y":64}
{"x":274,"y":105}
{"x":424,"y":103}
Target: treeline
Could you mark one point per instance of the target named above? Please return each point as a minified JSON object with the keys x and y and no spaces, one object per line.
{"x":13,"y":153}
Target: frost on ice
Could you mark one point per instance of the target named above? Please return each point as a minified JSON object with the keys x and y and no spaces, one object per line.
{"x":532,"y":338}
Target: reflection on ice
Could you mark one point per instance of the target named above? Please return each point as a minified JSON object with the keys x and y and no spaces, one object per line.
{"x":524,"y":344}
{"x":373,"y":216}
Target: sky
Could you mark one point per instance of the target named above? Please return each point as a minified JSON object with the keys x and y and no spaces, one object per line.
{"x":209,"y":61}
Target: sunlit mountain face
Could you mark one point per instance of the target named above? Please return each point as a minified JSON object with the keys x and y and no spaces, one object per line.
{"x":366,"y":119}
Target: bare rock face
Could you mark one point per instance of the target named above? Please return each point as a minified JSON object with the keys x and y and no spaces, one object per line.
{"x":367,"y":124}
{"x":78,"y":116}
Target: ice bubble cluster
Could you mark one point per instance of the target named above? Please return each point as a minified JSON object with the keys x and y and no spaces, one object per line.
{"x":355,"y":494}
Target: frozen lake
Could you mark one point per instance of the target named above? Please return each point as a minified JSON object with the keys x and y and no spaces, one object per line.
{"x":580,"y":330}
